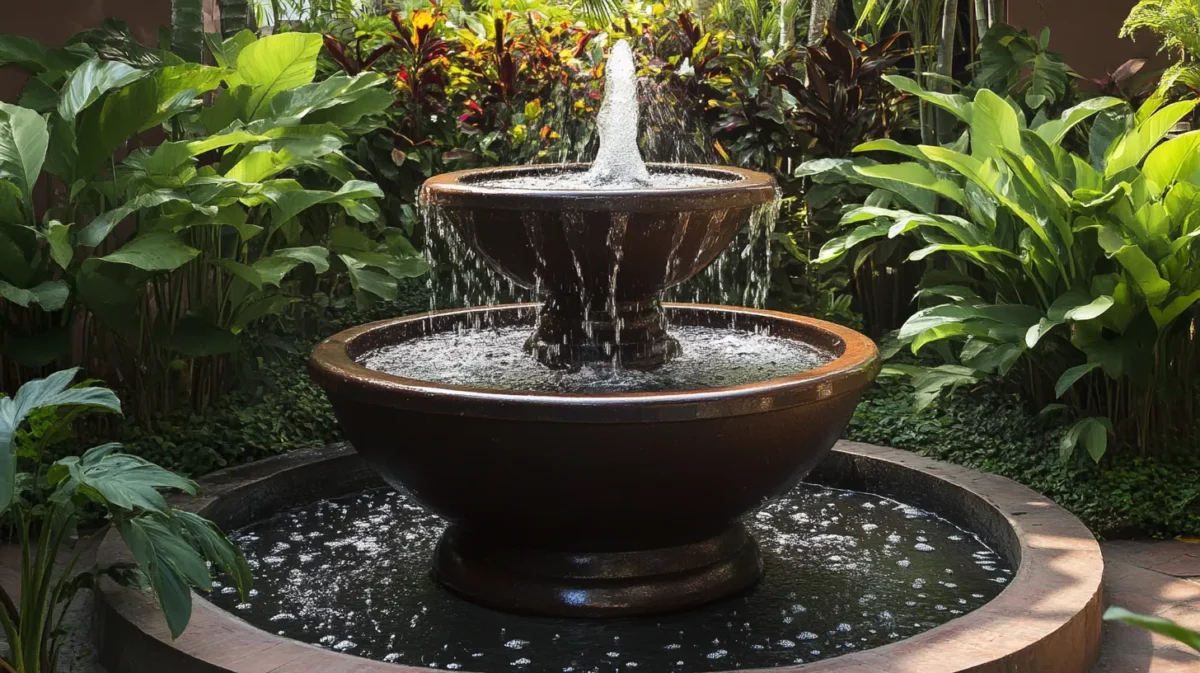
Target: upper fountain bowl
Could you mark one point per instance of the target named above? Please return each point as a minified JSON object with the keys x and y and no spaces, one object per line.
{"x":599,"y":255}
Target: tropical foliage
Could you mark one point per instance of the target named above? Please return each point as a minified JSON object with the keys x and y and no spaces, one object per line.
{"x":1177,"y":24}
{"x":148,"y":257}
{"x":1075,"y":274}
{"x":45,"y":502}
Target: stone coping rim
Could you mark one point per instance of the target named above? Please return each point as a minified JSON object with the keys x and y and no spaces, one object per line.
{"x":1047,"y":619}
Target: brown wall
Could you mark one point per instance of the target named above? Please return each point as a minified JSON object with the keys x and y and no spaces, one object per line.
{"x":1085,"y":31}
{"x":54,"y":21}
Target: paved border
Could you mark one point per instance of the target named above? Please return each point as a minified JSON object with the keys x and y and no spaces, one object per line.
{"x":1047,"y":619}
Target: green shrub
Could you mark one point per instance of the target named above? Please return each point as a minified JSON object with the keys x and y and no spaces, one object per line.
{"x":149,"y":264}
{"x":1076,"y":275}
{"x":993,"y":431}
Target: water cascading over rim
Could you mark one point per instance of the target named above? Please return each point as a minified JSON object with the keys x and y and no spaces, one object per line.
{"x":600,"y":243}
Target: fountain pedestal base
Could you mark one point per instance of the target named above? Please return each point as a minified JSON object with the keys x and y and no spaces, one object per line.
{"x":634,"y":335}
{"x":610,"y":584}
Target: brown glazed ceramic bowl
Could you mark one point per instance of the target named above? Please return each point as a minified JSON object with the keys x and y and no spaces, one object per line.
{"x":598,"y":504}
{"x":599,"y":259}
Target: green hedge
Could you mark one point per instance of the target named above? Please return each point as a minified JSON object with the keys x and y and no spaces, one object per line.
{"x":1124,"y":496}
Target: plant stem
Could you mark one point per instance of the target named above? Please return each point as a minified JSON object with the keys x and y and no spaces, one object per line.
{"x":10,"y":608}
{"x":945,"y":65}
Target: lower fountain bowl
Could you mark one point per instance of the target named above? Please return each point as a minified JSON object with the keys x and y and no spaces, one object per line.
{"x":608,"y":504}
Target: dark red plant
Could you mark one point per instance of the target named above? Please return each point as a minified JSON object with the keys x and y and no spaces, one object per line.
{"x":846,"y":102}
{"x":1128,"y":82}
{"x":351,"y":58}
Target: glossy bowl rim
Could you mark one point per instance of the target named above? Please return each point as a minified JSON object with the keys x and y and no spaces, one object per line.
{"x":459,"y":190}
{"x":850,"y":372}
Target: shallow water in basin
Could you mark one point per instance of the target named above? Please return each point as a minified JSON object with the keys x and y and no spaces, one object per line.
{"x":495,"y":358}
{"x":575,"y":181}
{"x":844,"y":571}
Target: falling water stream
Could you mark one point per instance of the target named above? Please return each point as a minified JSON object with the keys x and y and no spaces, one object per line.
{"x":740,"y":276}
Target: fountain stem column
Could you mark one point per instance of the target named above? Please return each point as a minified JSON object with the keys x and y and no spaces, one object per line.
{"x":632,"y":334}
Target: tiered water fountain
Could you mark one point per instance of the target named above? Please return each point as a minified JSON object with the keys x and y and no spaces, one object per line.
{"x":605,"y":473}
{"x":602,"y":481}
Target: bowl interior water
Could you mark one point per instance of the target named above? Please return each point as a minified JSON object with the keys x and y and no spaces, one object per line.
{"x":494,"y":358}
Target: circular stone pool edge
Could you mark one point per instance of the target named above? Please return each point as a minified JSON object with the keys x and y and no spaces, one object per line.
{"x":1047,"y":619}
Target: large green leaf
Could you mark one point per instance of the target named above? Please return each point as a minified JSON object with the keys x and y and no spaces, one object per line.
{"x":1163,"y":317}
{"x":118,"y":480}
{"x":24,"y":137}
{"x":915,"y":175}
{"x":103,"y":128}
{"x":1106,"y":129}
{"x":216,"y":549}
{"x":273,"y":268}
{"x":34,"y":56}
{"x":959,"y":106}
{"x":154,"y":251}
{"x":1048,"y":79}
{"x":994,"y":126}
{"x":275,"y":64}
{"x":1135,"y":144}
{"x":1145,"y":274}
{"x":933,"y":382}
{"x":165,"y":558}
{"x":51,"y":295}
{"x":1176,"y":159}
{"x":58,"y":235}
{"x":1071,"y":376}
{"x":936,"y":316}
{"x":339,"y":100}
{"x":136,"y":107}
{"x":99,"y":229}
{"x":290,"y":203}
{"x":90,"y":81}
{"x":1054,"y":131}
{"x":370,"y":282}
